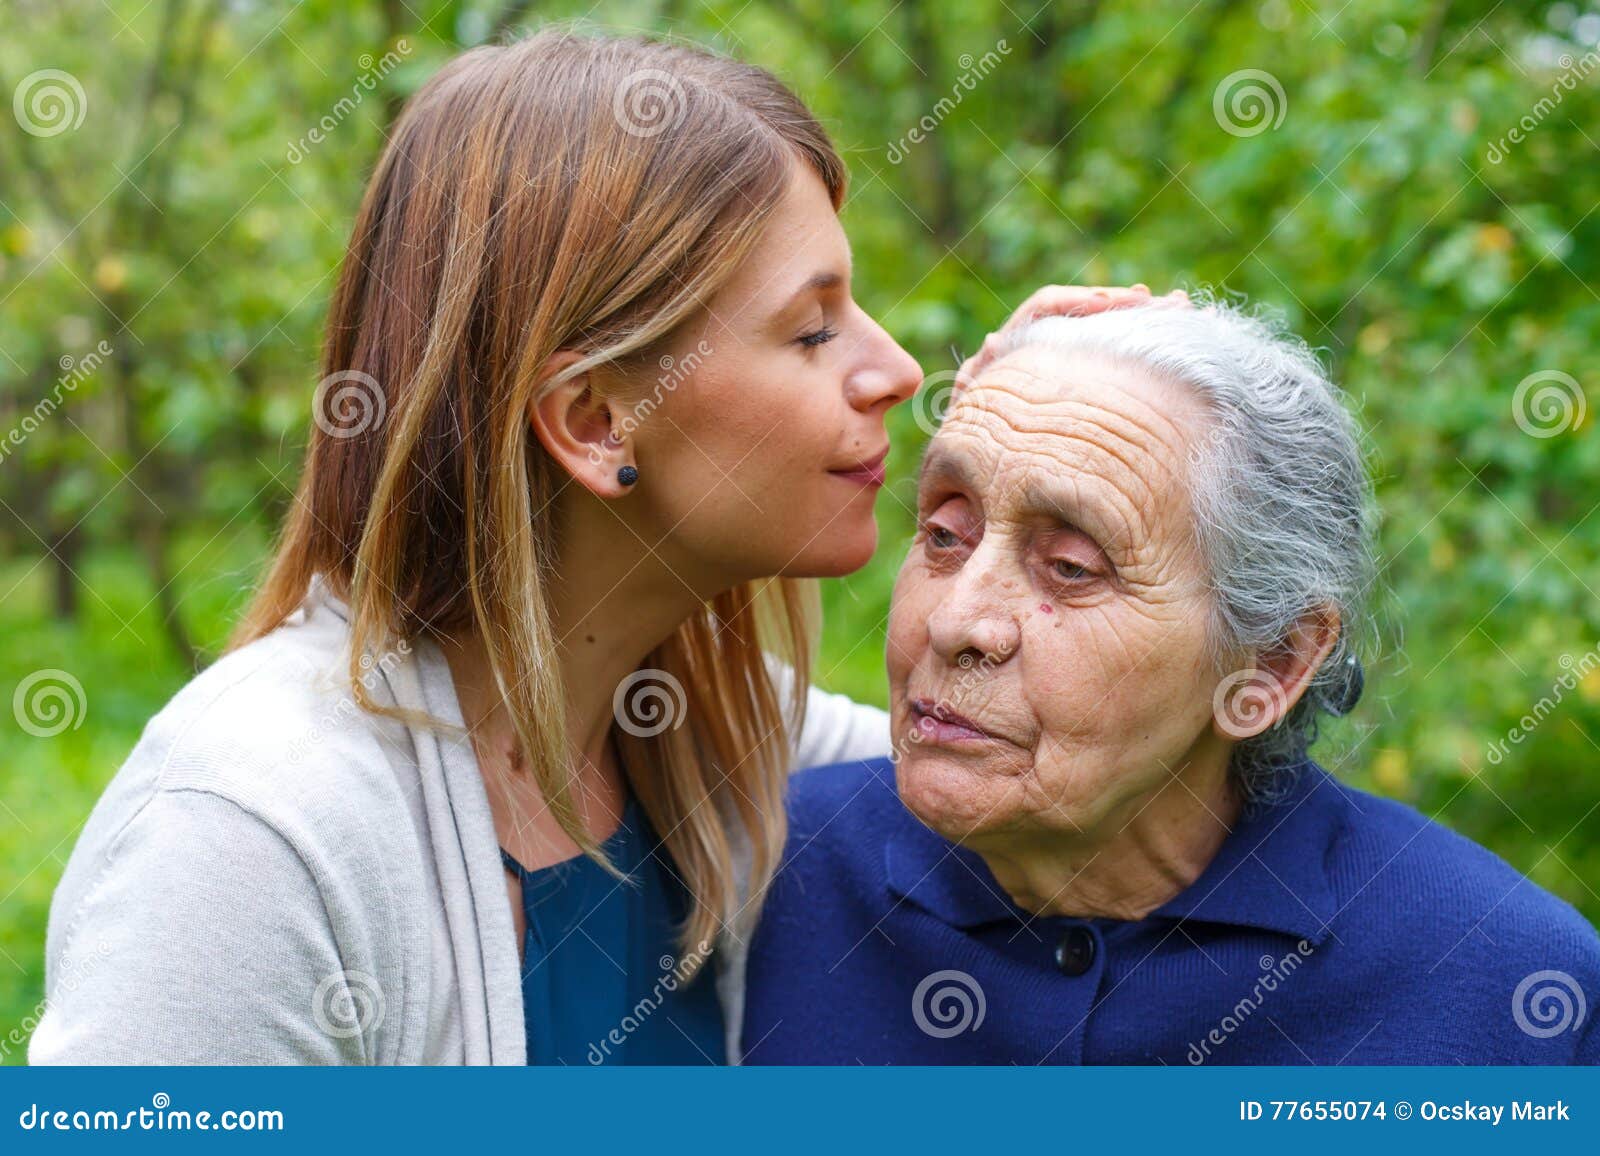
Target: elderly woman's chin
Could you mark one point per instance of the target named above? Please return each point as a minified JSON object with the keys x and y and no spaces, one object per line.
{"x":987,"y":800}
{"x":962,"y":793}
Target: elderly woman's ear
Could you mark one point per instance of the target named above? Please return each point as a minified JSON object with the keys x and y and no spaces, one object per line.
{"x":1252,"y":700}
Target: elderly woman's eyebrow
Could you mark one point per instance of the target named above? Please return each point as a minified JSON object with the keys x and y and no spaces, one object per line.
{"x":1042,"y":498}
{"x":941,"y":464}
{"x":1068,"y":509}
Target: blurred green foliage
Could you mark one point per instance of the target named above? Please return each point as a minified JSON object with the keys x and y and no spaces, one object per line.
{"x":1413,"y":182}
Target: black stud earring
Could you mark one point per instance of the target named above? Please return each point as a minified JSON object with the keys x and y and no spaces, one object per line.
{"x":627,"y":475}
{"x":1352,"y":682}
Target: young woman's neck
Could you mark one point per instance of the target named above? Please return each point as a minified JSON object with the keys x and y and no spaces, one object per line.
{"x":614,"y":598}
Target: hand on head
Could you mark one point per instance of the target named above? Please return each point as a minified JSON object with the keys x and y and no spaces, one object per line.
{"x":1062,"y":301}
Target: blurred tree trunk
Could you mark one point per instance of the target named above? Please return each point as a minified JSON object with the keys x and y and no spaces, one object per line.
{"x":58,"y":531}
{"x":151,"y":517}
{"x":947,"y":220}
{"x":66,"y":550}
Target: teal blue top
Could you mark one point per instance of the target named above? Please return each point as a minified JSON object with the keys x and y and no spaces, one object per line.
{"x":601,"y":973}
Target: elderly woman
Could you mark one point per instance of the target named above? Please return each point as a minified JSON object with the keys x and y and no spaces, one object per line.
{"x":1135,"y":588}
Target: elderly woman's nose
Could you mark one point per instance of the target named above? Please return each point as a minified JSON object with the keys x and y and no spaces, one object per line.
{"x":975,"y":621}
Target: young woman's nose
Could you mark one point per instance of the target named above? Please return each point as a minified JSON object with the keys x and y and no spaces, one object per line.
{"x":885,"y":376}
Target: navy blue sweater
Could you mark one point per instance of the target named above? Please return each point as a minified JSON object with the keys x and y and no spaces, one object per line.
{"x":1332,"y":927}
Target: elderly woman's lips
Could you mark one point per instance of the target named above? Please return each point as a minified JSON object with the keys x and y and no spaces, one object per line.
{"x":937,"y":723}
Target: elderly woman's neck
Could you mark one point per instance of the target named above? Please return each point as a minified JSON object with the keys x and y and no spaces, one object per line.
{"x":1144,"y":852}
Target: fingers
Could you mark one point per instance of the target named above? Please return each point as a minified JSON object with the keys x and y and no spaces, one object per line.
{"x":1075,"y":301}
{"x":1063,"y":301}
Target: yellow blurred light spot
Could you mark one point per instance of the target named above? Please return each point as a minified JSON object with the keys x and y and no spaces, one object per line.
{"x":261,"y":224}
{"x":1374,"y":339}
{"x":1494,"y":239}
{"x":1391,"y":772}
{"x":16,"y":239}
{"x":1441,"y":555}
{"x":111,"y":274}
{"x":1589,"y":686}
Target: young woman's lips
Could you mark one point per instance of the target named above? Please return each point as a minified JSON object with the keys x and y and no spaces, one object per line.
{"x":937,"y":724}
{"x":870,"y":473}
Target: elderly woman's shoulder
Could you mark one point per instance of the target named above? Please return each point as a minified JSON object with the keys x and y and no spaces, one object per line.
{"x":1395,"y":869}
{"x":844,"y":806}
{"x":864,"y":784}
{"x":842,"y":817}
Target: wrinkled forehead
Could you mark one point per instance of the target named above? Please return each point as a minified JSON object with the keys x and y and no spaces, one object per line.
{"x":1042,"y":418}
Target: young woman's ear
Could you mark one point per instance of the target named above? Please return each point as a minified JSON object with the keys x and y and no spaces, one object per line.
{"x":581,"y":431}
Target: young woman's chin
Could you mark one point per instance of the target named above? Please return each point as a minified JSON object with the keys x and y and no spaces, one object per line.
{"x":841,"y":548}
{"x":827,"y":531}
{"x":827,"y":543}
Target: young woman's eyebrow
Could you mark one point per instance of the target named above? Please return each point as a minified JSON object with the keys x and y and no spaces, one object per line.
{"x":820,"y":282}
{"x":817,"y":282}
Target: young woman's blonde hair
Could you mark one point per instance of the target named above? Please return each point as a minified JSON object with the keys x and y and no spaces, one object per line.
{"x":565,"y":192}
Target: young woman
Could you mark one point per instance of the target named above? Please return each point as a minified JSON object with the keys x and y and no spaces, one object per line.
{"x":496,"y":764}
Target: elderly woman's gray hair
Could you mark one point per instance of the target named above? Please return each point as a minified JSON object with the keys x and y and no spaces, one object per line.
{"x":1282,"y":504}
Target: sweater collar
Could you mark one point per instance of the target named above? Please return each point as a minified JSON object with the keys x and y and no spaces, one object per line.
{"x":1269,"y":874}
{"x":318,"y":590}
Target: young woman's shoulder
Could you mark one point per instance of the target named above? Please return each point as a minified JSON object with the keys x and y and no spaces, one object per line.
{"x":233,"y":893}
{"x":275,"y":724}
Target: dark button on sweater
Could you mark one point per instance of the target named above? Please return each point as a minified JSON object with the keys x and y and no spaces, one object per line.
{"x":1075,"y":951}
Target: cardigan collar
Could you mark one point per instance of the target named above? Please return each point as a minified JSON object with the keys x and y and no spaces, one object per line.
{"x":487,"y":973}
{"x":1268,"y":874}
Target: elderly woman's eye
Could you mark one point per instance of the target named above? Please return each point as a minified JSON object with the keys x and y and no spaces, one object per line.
{"x":949,"y":526}
{"x":1070,"y":570}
